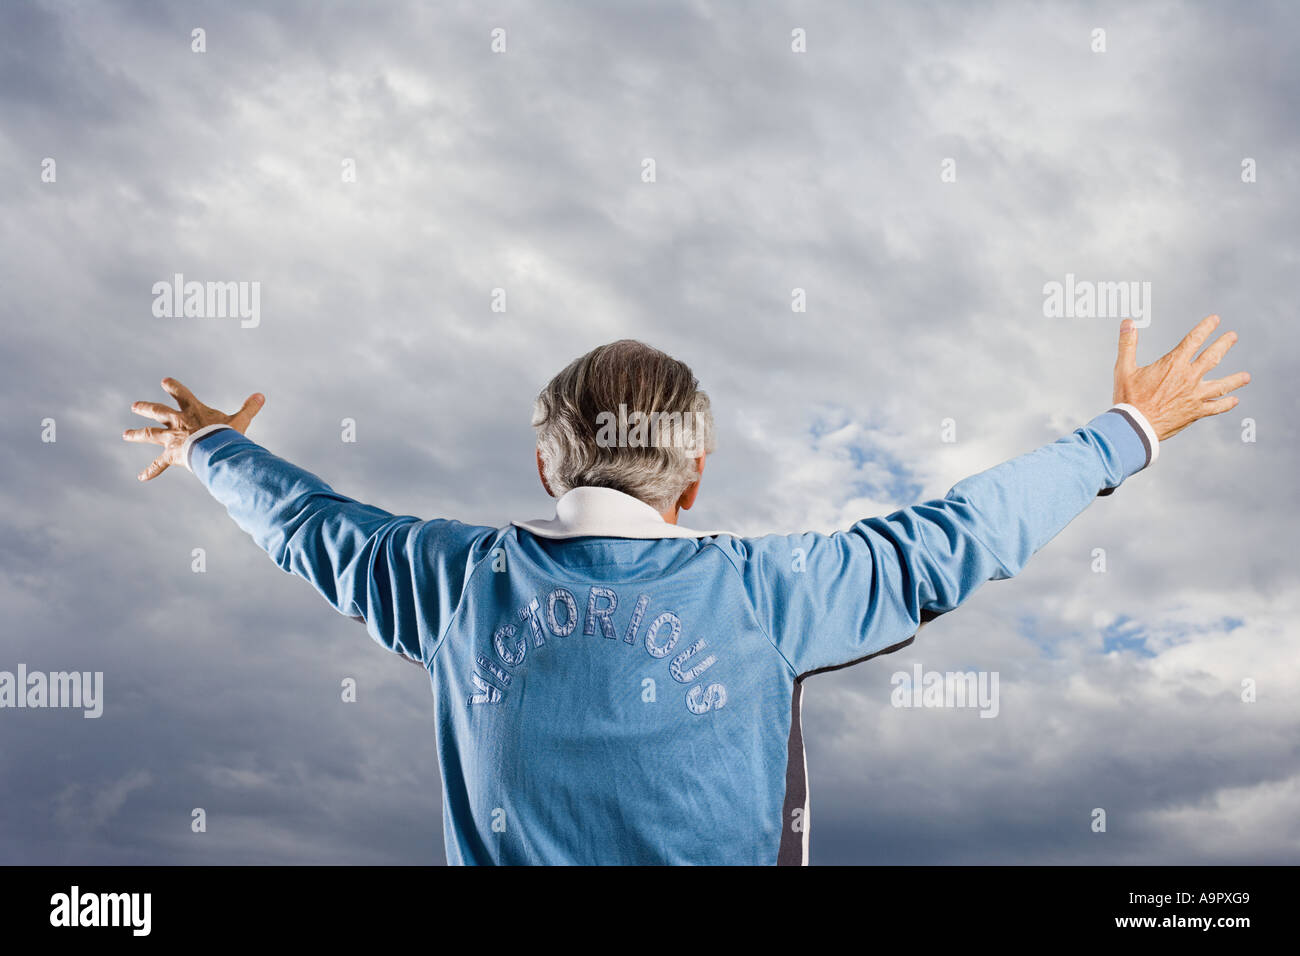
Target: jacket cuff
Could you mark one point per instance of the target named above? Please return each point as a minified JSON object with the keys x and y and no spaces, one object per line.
{"x":188,"y":448}
{"x":1133,"y":437}
{"x":1139,"y":421}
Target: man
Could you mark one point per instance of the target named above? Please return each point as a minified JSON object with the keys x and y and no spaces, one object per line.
{"x":611,"y":687}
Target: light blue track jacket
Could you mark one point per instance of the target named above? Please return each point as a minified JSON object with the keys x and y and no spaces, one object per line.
{"x":611,"y":688}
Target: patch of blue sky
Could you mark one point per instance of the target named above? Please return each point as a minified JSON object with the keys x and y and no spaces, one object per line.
{"x":879,"y":475}
{"x":1125,"y":634}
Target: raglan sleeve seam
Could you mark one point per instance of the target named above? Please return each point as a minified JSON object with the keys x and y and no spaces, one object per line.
{"x":464,"y":591}
{"x":753,"y":608}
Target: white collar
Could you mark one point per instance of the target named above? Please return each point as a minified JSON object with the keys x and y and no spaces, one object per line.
{"x":606,"y":513}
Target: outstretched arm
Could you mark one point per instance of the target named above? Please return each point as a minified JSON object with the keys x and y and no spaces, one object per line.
{"x":402,"y":576}
{"x":866,"y":590}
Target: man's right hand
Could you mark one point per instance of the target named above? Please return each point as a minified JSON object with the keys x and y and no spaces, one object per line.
{"x":182,"y":423}
{"x":1169,"y":391}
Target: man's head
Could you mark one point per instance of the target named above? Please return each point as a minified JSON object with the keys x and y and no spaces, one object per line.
{"x":628,"y":417}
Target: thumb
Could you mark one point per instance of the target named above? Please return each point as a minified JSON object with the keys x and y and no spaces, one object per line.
{"x":242,"y":418}
{"x":1128,"y":347}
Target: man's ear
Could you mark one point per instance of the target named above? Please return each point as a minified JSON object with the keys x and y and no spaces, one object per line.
{"x":688,"y":496}
{"x":541,"y":473}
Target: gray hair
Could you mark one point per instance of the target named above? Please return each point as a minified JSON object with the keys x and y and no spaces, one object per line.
{"x":624,"y":416}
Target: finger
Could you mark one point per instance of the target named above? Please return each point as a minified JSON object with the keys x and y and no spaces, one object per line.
{"x":156,"y":468}
{"x":159,"y":413}
{"x":252,"y":405}
{"x":1219,"y":406}
{"x":156,"y":435}
{"x":1194,"y":339}
{"x":1213,"y":355}
{"x":1128,"y":346}
{"x":1217,"y":388}
{"x":179,"y":392}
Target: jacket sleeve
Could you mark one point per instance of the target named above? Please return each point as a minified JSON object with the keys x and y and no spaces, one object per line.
{"x":401,"y":576}
{"x":831,"y":600}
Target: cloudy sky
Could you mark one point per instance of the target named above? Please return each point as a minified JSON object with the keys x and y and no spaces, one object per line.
{"x":523,"y":171}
